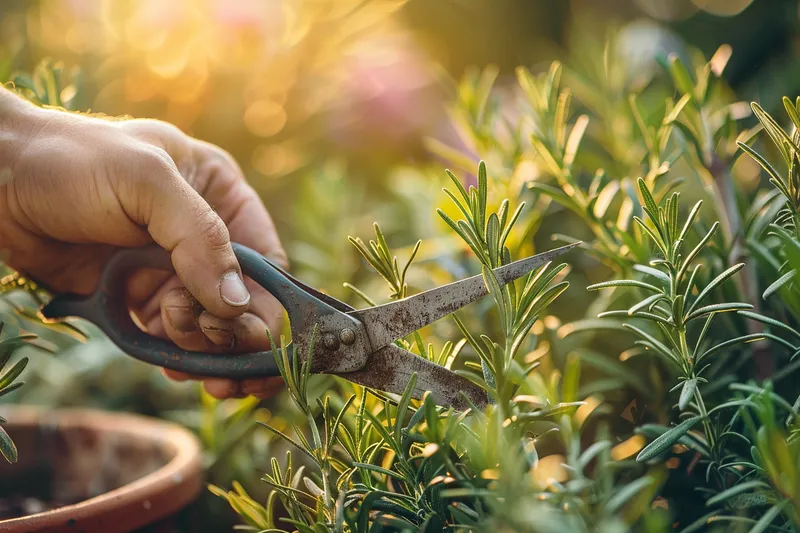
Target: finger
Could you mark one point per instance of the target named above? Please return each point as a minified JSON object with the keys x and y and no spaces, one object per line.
{"x":149,"y":311}
{"x":212,"y":334}
{"x":222,"y":388}
{"x":185,"y":322}
{"x":184,"y":224}
{"x":179,"y":313}
{"x":246,"y":333}
{"x":262,"y":388}
{"x":222,"y":183}
{"x":176,"y":375}
{"x":248,"y":223}
{"x":178,"y":322}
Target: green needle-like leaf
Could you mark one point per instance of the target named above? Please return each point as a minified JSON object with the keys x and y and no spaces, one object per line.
{"x":735,"y":490}
{"x":778,"y":283}
{"x":623,"y":283}
{"x":667,"y":439}
{"x":687,"y":393}
{"x":7,"y":447}
{"x":713,"y":284}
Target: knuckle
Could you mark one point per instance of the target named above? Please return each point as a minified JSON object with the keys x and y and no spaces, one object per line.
{"x":220,"y":155}
{"x":180,"y":296}
{"x":155,"y":164}
{"x":218,"y":171}
{"x":159,"y":157}
{"x":211,"y":171}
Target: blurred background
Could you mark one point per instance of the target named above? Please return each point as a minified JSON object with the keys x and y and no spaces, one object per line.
{"x":342,"y":113}
{"x":288,"y":86}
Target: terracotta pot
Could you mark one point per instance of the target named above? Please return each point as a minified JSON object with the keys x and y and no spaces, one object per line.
{"x":103,"y":472}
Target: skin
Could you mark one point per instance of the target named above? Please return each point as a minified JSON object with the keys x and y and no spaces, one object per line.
{"x":74,"y":188}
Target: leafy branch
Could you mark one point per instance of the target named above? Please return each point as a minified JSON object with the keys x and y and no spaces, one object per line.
{"x":676,"y":306}
{"x":486,"y":234}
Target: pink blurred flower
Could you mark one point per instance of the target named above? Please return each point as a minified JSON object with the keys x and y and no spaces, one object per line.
{"x":387,"y":92}
{"x":262,"y":15}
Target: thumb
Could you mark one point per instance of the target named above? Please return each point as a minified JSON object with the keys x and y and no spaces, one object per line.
{"x":185,"y":225}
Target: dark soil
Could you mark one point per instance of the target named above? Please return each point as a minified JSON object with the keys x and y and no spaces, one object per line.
{"x":62,"y":466}
{"x":29,"y":492}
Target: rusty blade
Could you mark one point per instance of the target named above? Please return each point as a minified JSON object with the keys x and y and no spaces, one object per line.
{"x":390,"y":368}
{"x":388,"y":322}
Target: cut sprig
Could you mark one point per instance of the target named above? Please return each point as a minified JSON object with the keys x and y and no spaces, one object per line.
{"x":379,"y":256}
{"x":518,"y":307}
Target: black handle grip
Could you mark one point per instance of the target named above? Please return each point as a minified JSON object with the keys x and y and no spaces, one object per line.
{"x":107,"y":309}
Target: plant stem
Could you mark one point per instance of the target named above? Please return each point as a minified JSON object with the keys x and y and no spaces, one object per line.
{"x":500,"y":381}
{"x":326,"y":487}
{"x":796,"y":218}
{"x":701,"y":406}
{"x":747,"y":284}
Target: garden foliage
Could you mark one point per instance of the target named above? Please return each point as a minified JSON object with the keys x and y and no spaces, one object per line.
{"x":647,"y":383}
{"x":658,"y":397}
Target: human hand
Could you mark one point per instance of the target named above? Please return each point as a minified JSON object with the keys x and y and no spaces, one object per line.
{"x":77,"y":187}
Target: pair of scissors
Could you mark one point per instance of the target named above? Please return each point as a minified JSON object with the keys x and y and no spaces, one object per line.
{"x":355,"y":344}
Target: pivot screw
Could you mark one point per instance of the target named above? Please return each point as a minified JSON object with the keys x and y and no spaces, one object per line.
{"x":347,"y":336}
{"x":330,"y":341}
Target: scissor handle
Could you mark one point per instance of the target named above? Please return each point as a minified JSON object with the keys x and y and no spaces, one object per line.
{"x":107,"y":309}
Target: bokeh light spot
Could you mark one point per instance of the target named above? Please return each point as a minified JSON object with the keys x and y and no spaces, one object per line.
{"x":265,"y":118}
{"x":270,"y":160}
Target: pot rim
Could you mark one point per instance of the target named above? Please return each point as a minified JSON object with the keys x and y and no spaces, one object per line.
{"x":146,"y":500}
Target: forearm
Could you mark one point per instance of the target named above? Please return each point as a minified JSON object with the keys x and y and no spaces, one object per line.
{"x":18,"y":119}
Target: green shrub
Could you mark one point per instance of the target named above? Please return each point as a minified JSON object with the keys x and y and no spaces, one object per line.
{"x":657,"y":400}
{"x":660,"y":399}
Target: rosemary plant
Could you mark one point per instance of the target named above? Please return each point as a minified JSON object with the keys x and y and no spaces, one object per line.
{"x":585,"y":432}
{"x":406,"y":465}
{"x":673,"y":421}
{"x":682,"y":312}
{"x":9,"y":382}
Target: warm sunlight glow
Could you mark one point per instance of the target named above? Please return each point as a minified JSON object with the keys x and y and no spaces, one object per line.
{"x":628,"y":448}
{"x":267,"y":67}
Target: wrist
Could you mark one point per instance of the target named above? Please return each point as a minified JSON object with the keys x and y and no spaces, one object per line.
{"x":19,"y":120}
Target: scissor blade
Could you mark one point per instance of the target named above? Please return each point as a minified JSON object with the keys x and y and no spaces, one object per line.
{"x":388,"y":322}
{"x":390,"y":368}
